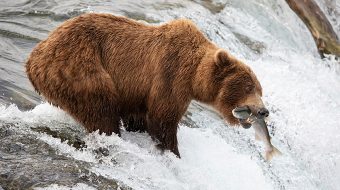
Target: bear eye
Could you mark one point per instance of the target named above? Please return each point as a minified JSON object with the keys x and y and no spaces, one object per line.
{"x":249,"y":88}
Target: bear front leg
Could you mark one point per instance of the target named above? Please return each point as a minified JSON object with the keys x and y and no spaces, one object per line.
{"x":166,"y":133}
{"x":164,"y":113}
{"x":162,"y":123}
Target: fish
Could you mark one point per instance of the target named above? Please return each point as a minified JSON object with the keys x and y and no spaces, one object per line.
{"x":242,"y":112}
{"x":262,"y":134}
{"x":261,"y":130}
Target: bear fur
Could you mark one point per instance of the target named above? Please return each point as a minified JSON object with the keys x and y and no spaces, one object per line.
{"x":103,"y":69}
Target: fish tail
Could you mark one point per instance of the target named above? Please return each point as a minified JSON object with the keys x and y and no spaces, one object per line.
{"x":272,"y":153}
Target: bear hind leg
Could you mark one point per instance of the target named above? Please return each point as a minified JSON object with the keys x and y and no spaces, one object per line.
{"x":135,"y":122}
{"x":107,"y":124}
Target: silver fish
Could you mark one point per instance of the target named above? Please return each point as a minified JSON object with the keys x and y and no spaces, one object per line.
{"x":261,"y":131}
{"x":241,"y":112}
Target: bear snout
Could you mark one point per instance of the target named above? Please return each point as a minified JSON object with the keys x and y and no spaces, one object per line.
{"x":263,"y":112}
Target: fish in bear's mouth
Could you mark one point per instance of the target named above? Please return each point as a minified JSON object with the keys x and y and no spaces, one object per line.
{"x":248,"y":118}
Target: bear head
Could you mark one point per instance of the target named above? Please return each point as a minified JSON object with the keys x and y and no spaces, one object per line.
{"x":231,"y":84}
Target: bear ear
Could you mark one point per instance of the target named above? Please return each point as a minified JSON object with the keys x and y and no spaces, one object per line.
{"x":223,"y":58}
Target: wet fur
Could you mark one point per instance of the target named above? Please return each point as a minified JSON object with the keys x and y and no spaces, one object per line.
{"x":102,"y":68}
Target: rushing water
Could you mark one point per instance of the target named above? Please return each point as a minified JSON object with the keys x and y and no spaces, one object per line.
{"x":301,"y":90}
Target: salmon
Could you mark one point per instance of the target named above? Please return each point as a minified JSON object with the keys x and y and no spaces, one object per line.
{"x":260,"y":127}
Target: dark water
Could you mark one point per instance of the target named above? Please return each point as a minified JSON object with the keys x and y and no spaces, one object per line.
{"x":22,"y":25}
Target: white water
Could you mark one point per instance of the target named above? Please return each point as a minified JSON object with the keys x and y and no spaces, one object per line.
{"x":301,"y":91}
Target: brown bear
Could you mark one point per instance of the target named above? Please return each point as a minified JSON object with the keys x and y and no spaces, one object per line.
{"x":103,"y":69}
